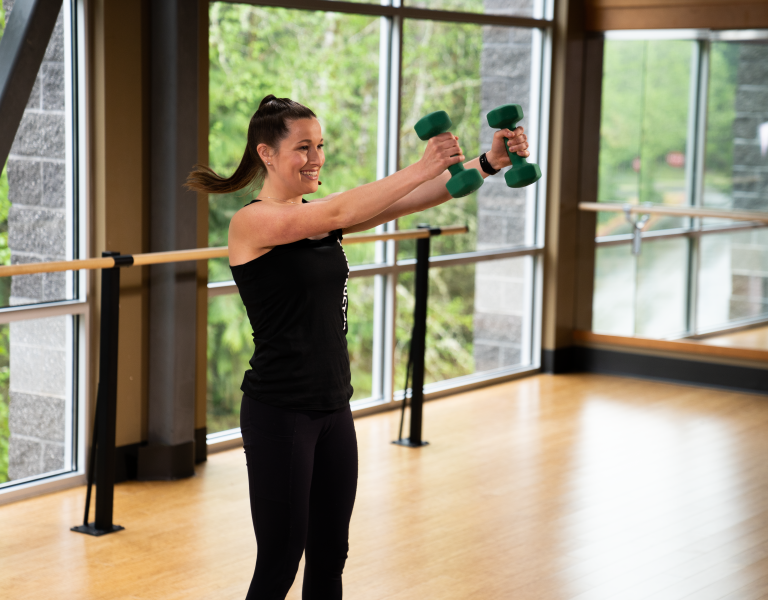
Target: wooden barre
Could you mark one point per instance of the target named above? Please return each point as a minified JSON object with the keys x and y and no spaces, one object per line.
{"x":156,"y":258}
{"x":645,"y":209}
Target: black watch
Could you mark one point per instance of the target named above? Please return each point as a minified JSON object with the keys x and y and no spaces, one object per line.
{"x":486,"y":166}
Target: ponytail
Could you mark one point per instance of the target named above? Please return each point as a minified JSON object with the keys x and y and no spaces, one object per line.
{"x":269,"y":125}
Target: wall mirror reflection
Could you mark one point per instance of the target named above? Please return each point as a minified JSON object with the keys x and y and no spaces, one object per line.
{"x":684,"y":124}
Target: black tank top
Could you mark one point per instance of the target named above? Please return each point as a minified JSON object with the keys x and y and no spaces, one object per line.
{"x":296,"y":299}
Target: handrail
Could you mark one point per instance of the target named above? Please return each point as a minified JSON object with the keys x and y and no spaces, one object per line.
{"x":156,"y":258}
{"x":675,"y":211}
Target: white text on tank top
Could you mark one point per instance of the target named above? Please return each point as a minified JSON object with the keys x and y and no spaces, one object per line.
{"x":344,"y":299}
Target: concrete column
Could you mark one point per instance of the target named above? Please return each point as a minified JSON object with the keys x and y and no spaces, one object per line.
{"x":173,"y":226}
{"x":37,"y":232}
{"x":749,"y":251}
{"x":500,"y":286}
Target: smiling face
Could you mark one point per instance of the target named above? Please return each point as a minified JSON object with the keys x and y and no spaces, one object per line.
{"x":294,"y":167}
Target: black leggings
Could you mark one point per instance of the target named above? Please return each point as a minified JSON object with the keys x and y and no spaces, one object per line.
{"x":302,"y":475}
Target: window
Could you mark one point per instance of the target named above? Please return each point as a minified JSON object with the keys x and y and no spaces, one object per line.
{"x":684,"y":122}
{"x":369,"y":79}
{"x":40,"y":324}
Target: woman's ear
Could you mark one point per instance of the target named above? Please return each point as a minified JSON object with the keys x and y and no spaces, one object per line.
{"x":264,"y":152}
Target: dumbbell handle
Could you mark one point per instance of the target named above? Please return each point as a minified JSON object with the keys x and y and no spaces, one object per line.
{"x":456,"y":169}
{"x":514,"y":158}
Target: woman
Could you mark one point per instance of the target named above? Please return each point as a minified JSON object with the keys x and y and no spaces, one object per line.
{"x":287,"y":260}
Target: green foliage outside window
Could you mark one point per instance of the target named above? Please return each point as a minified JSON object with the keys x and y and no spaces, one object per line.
{"x":327,"y":61}
{"x":330,"y":62}
{"x":441,"y":71}
{"x":449,"y":349}
{"x":450,"y":54}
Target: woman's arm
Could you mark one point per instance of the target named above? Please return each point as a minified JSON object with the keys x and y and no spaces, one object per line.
{"x":433,"y":192}
{"x":266,"y":224}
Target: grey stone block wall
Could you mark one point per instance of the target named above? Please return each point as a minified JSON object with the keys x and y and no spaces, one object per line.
{"x":37,"y":231}
{"x":749,"y":251}
{"x":501,"y":211}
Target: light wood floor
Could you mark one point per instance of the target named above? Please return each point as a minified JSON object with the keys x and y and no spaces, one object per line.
{"x":755,"y":338}
{"x":548,"y":488}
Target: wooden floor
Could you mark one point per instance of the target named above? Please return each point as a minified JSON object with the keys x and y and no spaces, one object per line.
{"x":755,"y":338}
{"x":548,"y":488}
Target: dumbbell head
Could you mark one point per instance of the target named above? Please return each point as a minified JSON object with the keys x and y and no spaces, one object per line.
{"x":433,"y":124}
{"x":522,"y":175}
{"x":505,"y":116}
{"x":464,"y":183}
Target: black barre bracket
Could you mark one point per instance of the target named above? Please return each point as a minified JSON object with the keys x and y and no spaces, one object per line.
{"x":102,"y":458}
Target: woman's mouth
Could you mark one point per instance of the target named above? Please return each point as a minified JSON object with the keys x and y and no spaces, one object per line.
{"x":311,"y":175}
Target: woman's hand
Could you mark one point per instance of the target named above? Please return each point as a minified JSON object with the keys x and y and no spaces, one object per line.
{"x":517,"y":142}
{"x":442,"y":151}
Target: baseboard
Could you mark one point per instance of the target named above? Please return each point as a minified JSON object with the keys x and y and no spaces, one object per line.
{"x":159,"y":462}
{"x":201,"y":445}
{"x":126,"y":462}
{"x":560,"y":360}
{"x":675,"y":370}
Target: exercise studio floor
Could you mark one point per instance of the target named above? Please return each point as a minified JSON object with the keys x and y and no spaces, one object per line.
{"x":547,"y":488}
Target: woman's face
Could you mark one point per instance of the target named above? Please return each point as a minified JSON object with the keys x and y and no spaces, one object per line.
{"x":296,"y":164}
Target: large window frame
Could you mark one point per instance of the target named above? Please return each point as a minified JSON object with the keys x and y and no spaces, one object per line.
{"x":694,"y":175}
{"x":387,"y":267}
{"x":79,"y":306}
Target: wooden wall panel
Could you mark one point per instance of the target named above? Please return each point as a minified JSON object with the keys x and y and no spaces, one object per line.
{"x":118,"y":126}
{"x":604,"y":15}
{"x":604,"y":4}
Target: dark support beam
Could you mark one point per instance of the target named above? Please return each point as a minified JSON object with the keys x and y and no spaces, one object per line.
{"x":170,"y":453}
{"x":22,"y":48}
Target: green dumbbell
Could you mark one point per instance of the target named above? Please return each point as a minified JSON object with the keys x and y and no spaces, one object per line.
{"x":463,"y":181}
{"x":522,"y":173}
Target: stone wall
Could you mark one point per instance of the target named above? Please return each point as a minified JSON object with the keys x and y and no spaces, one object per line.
{"x":38,"y":231}
{"x":749,"y":251}
{"x":500,"y":286}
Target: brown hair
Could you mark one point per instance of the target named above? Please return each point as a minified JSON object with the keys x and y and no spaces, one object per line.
{"x":269,"y":125}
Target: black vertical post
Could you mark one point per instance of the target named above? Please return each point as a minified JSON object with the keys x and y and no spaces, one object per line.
{"x":106,"y":410}
{"x":418,"y":341}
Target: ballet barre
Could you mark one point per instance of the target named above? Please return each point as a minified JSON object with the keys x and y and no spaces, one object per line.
{"x":101,"y":466}
{"x":157,"y":258}
{"x":644,"y":211}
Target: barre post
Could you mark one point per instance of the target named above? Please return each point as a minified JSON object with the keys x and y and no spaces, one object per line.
{"x":419,"y":340}
{"x":105,"y":422}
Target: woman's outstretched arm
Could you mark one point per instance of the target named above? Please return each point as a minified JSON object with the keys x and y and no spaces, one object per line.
{"x":259,"y":227}
{"x":433,"y":192}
